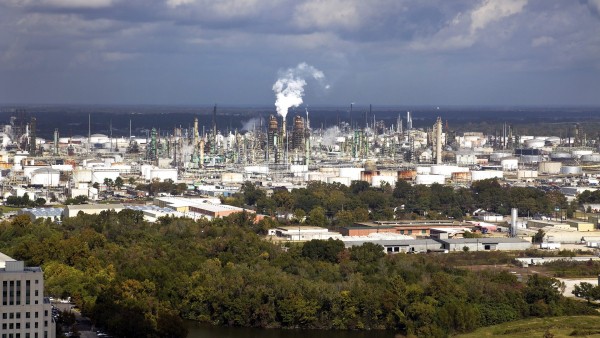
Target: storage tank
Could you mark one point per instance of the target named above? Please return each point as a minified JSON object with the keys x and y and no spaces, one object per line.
{"x":553,"y":140}
{"x":461,"y":176}
{"x":509,"y":164}
{"x":571,"y":170}
{"x":580,"y":152}
{"x":551,"y":168}
{"x":429,"y":179}
{"x":232,"y":178}
{"x":590,"y":158}
{"x":529,"y":159}
{"x":352,"y":173}
{"x":522,"y":174}
{"x":342,"y":180}
{"x":486,"y":174}
{"x":407,"y":174}
{"x":298,"y":168}
{"x":560,"y":156}
{"x":47,"y":177}
{"x":447,"y":170}
{"x":378,"y":180}
{"x":423,"y":170}
{"x":82,"y":175}
{"x":536,"y":143}
{"x":496,"y":157}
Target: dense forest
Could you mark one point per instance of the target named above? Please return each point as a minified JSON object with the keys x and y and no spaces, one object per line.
{"x":136,"y":278}
{"x":338,"y":205}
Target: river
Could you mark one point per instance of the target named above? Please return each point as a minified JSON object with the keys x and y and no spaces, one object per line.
{"x":207,"y":331}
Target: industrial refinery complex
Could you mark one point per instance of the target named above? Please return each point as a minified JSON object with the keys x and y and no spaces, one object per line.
{"x":282,"y":153}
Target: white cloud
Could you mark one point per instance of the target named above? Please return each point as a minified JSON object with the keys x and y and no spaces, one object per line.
{"x":494,"y":10}
{"x":328,"y":14}
{"x":541,"y":41}
{"x":62,"y":3}
{"x":177,"y":3}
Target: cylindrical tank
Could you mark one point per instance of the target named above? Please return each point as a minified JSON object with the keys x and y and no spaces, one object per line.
{"x":429,"y":179}
{"x":580,"y":152}
{"x":510,"y":163}
{"x":560,"y":156}
{"x":486,"y":174}
{"x":496,"y":157}
{"x":423,"y":170}
{"x":530,"y":159}
{"x":461,"y":176}
{"x":571,"y":170}
{"x":590,"y":158}
{"x":551,"y":168}
{"x":352,"y":173}
{"x":377,"y":181}
{"x":536,"y":143}
{"x":407,"y":174}
{"x":342,"y":180}
{"x":447,"y":170}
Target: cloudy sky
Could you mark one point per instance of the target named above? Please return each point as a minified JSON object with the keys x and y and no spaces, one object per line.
{"x":406,"y":52}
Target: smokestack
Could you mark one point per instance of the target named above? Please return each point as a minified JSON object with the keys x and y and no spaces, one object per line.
{"x":195,"y":131}
{"x":438,"y":141}
{"x":408,"y":121}
{"x":513,"y":222}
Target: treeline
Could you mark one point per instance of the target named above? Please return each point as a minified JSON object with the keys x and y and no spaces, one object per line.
{"x":324,"y":204}
{"x":138,"y":279}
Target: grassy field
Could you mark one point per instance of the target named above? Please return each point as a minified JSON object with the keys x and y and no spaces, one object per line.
{"x":578,"y":326}
{"x":4,"y":208}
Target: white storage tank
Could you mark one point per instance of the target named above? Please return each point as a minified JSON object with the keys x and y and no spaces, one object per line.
{"x":496,"y":157}
{"x":522,"y":174}
{"x":232,"y":178}
{"x":560,"y":156}
{"x":82,"y":175}
{"x":429,"y":179}
{"x":352,"y":173}
{"x":47,"y":177}
{"x":99,"y":174}
{"x":509,"y":164}
{"x":342,"y":180}
{"x":486,"y":174}
{"x":423,"y":170}
{"x":536,"y":143}
{"x":162,"y":174}
{"x":447,"y":170}
{"x":580,"y":152}
{"x":551,"y":168}
{"x":571,"y":170}
{"x":378,"y":180}
{"x":590,"y":158}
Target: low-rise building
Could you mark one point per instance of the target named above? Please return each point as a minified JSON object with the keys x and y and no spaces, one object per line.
{"x":485,"y":244}
{"x":90,"y":209}
{"x":303,"y":233}
{"x":53,"y":214}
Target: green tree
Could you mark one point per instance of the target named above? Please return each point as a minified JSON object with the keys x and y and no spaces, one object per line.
{"x":119,"y":182}
{"x":317,"y":217}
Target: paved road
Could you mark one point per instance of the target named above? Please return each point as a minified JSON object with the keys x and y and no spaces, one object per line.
{"x":84,"y":325}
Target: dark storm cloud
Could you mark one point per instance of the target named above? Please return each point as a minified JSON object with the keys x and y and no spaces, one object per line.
{"x":387,"y":51}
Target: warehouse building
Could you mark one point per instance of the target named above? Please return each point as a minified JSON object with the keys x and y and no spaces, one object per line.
{"x":485,"y":244}
{"x":90,"y":209}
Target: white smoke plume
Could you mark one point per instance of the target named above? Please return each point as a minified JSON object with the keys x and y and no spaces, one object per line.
{"x":330,"y":136}
{"x":289,"y":88}
{"x":253,"y":123}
